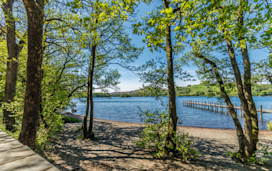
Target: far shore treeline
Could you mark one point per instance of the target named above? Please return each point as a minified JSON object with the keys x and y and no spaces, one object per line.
{"x":202,"y":89}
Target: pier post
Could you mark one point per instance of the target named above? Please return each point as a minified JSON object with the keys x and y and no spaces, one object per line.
{"x":220,"y":107}
{"x":261,"y":111}
{"x":241,"y":110}
{"x":213,"y":106}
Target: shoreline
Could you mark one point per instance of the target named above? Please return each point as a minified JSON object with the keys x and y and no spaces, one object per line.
{"x":143,"y":124}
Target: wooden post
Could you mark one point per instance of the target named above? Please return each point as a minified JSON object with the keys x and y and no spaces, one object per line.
{"x":241,"y":110}
{"x":213,"y":106}
{"x":226,"y":109}
{"x":220,"y":108}
{"x":194,"y":104}
{"x":261,"y":111}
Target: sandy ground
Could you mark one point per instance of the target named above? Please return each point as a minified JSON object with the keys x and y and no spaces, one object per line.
{"x":115,"y":149}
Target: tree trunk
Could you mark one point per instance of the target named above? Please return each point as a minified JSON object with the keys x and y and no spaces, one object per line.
{"x":12,"y":64}
{"x":35,"y":16}
{"x":249,"y":150}
{"x":172,"y":127}
{"x":84,"y":125}
{"x":238,"y":127}
{"x":92,"y":63}
{"x":247,"y":79}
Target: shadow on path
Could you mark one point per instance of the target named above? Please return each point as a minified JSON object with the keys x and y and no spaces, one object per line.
{"x":115,"y":149}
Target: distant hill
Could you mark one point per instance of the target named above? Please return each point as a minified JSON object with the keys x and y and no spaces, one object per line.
{"x":191,"y":90}
{"x":213,"y":90}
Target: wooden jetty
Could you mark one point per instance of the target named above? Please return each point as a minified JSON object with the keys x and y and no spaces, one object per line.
{"x":16,"y":157}
{"x":218,"y":106}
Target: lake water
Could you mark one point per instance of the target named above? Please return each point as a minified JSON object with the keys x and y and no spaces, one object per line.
{"x":126,"y":110}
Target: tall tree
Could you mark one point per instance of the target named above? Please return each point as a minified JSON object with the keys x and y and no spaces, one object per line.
{"x":14,"y":50}
{"x":35,"y":19}
{"x":161,"y":31}
{"x":103,"y":36}
{"x":221,"y":26}
{"x":172,"y":127}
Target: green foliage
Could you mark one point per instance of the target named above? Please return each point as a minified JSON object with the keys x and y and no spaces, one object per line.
{"x":47,"y":131}
{"x":60,"y":76}
{"x":153,"y":137}
{"x":269,"y":125}
{"x":203,"y":89}
{"x":125,"y":95}
{"x":261,"y":156}
{"x":67,"y":119}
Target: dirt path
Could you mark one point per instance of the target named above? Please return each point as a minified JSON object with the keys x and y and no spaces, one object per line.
{"x":115,"y":149}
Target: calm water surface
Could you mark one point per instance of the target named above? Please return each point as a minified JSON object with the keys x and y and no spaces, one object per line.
{"x":126,"y":109}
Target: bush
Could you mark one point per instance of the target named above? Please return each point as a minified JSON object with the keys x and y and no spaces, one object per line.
{"x":269,"y":125}
{"x":67,"y":119}
{"x":49,"y":126}
{"x":154,"y":136}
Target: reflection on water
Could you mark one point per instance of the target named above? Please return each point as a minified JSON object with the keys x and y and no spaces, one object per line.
{"x":126,"y":109}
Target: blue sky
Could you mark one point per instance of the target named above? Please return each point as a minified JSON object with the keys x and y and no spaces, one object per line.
{"x":130,"y":81}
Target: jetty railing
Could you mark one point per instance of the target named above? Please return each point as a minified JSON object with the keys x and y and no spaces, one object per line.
{"x":219,"y":107}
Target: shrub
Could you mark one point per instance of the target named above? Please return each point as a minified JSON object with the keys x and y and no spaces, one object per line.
{"x":269,"y":125}
{"x":67,"y":119}
{"x":46,"y":134}
{"x":153,"y":137}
